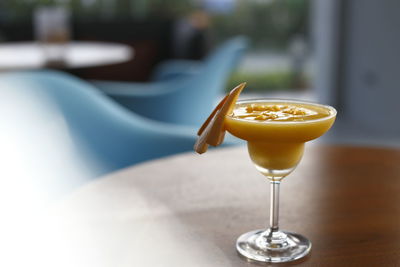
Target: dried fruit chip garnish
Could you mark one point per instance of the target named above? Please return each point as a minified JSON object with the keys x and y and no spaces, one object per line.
{"x":212,"y":132}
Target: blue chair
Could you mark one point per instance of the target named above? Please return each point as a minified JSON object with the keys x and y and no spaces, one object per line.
{"x":107,"y":133}
{"x":184,"y":92}
{"x":175,"y":69}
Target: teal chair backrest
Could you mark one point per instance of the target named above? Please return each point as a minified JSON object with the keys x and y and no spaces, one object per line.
{"x":217,"y":69}
{"x":111,"y":136}
{"x":185,"y":100}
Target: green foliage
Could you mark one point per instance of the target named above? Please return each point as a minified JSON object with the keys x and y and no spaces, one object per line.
{"x":269,"y":24}
{"x":266,"y":81}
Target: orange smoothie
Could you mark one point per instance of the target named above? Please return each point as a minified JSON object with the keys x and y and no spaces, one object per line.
{"x":276,"y":130}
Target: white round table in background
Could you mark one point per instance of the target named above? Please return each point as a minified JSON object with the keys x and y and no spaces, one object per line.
{"x":75,"y":54}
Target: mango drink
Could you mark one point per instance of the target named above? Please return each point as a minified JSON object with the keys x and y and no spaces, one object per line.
{"x":276,"y":130}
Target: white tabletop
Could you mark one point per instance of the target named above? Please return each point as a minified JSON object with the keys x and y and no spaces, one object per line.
{"x":32,"y":55}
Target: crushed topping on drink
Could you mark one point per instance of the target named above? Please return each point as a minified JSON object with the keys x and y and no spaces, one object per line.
{"x":278,"y":112}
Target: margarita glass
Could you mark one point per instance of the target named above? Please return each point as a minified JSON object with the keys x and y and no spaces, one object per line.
{"x":276,"y":131}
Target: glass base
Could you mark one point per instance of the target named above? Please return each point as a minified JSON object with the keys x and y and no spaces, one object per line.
{"x":273,"y":246}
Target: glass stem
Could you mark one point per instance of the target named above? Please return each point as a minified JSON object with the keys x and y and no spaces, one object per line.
{"x":274,"y":206}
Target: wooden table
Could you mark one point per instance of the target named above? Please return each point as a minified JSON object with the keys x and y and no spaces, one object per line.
{"x":75,"y":54}
{"x":188,"y":210}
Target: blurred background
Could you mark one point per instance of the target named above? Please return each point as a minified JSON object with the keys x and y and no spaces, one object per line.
{"x":280,"y":56}
{"x":165,"y":64}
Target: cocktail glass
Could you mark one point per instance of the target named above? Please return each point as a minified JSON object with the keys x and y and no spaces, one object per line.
{"x":276,"y":147}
